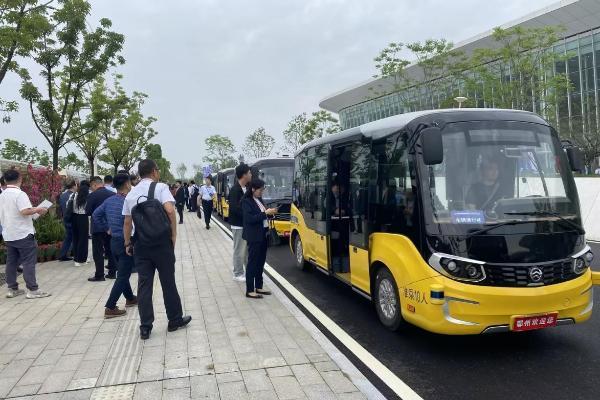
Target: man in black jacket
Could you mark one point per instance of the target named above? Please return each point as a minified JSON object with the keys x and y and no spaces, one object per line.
{"x":243,"y":175}
{"x":180,"y":200}
{"x":100,"y":237}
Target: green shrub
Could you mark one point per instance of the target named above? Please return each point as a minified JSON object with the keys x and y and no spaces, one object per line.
{"x":49,"y":229}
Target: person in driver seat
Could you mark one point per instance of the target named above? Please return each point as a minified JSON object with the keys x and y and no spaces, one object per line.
{"x":483,"y":195}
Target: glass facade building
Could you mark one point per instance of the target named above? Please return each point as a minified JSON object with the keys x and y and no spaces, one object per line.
{"x":577,"y":110}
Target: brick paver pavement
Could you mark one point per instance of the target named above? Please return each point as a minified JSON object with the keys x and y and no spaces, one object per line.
{"x":61,"y":347}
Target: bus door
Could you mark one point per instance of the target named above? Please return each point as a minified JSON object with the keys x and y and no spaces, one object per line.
{"x":339,"y":211}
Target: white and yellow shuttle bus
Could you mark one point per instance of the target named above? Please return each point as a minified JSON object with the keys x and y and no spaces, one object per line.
{"x":457,"y":221}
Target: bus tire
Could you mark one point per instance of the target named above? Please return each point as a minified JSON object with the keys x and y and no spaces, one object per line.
{"x":299,"y":253}
{"x":387,"y":300}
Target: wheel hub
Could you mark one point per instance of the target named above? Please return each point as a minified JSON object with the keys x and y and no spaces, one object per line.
{"x":387,"y":299}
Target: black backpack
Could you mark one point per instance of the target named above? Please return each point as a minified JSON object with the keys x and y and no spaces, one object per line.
{"x":152,"y":224}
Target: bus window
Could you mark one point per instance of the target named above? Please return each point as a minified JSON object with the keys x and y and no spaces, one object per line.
{"x":392,"y":202}
{"x":311,"y":181}
{"x":359,"y":176}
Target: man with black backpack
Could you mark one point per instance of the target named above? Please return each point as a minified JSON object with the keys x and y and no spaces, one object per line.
{"x":150,"y":209}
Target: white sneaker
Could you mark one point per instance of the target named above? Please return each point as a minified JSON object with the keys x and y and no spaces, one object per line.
{"x":240,"y":278}
{"x":37,"y":294}
{"x":14,"y":293}
{"x":77,"y":264}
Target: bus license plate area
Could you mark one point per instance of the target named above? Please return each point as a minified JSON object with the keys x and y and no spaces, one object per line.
{"x":520,"y":323}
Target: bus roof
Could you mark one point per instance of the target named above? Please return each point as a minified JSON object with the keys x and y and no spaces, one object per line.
{"x":388,"y":126}
{"x":226,"y":170}
{"x":273,"y":161}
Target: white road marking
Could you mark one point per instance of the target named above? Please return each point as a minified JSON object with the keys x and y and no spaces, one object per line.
{"x":388,"y":377}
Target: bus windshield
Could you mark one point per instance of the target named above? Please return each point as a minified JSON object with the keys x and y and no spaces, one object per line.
{"x":495,"y":172}
{"x":278,"y":182}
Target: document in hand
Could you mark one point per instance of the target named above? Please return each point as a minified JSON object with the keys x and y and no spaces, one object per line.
{"x":43,"y":204}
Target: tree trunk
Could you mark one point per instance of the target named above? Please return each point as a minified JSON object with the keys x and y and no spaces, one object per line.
{"x":91,"y":166}
{"x":55,"y":159}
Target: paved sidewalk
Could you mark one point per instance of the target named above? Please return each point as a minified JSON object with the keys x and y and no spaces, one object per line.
{"x":235,"y":348}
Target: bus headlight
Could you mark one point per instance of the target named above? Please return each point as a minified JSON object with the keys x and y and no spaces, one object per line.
{"x":458,"y":268}
{"x":582,"y":260}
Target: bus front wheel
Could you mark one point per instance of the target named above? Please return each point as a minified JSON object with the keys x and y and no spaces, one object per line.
{"x":387,"y":301}
{"x":299,"y":253}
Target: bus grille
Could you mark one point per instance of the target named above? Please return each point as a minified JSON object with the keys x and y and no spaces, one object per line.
{"x":518,"y":275}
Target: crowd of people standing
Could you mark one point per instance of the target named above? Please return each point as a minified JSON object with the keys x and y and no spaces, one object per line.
{"x":134,"y":228}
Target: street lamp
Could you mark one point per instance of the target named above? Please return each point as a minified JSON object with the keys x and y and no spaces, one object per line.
{"x":460,"y":100}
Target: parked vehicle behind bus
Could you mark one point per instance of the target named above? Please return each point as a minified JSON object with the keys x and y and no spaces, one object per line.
{"x":461,"y":221}
{"x":225,"y":179}
{"x":278,"y":176}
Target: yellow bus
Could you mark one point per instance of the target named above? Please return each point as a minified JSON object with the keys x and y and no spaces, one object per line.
{"x":225,"y":179}
{"x":278,"y":176}
{"x":461,"y":221}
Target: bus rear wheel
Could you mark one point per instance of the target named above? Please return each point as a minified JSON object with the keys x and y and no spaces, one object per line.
{"x":299,"y":253}
{"x":387,"y":300}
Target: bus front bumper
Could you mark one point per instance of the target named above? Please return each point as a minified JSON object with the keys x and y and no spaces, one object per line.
{"x":283,"y":228}
{"x":457,"y":308}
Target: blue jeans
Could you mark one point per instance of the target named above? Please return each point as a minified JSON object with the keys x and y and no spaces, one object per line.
{"x":66,"y":244}
{"x":124,"y":267}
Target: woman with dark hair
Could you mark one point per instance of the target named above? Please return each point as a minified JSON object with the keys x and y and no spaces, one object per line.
{"x":81,"y":223}
{"x":256,"y":227}
{"x":207,"y":193}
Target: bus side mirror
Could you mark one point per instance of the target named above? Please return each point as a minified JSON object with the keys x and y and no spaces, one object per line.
{"x":575,"y":157}
{"x":433,"y":148}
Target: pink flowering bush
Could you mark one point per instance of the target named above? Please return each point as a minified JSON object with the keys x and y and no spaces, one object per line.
{"x":40,"y":184}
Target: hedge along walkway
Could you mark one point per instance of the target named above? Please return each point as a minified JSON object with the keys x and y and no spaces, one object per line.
{"x":235,"y":348}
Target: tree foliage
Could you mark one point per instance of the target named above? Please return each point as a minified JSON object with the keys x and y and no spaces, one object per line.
{"x":70,"y":57}
{"x":129,"y":135}
{"x":181,"y":170}
{"x":16,"y":151}
{"x":219,"y":152}
{"x":153,"y":151}
{"x":22,"y":24}
{"x":293,"y":133}
{"x":319,"y":124}
{"x":259,"y":143}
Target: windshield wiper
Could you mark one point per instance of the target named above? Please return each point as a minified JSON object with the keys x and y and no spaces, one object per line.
{"x":489,"y":228}
{"x":539,"y":213}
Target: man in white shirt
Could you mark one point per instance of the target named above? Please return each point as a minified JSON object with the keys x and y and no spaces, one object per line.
{"x":16,"y":217}
{"x":108,"y":183}
{"x":160,"y":257}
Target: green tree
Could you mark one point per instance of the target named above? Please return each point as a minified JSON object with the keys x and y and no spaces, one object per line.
{"x":292,"y":135}
{"x":128,"y":136}
{"x":103,"y":108}
{"x":320,"y":123}
{"x":181,"y":170}
{"x":22,"y":23}
{"x":220,"y":152}
{"x":72,"y":161}
{"x":259,"y":143}
{"x":153,"y":151}
{"x":16,"y":151}
{"x":71,"y":56}
{"x":512,"y":73}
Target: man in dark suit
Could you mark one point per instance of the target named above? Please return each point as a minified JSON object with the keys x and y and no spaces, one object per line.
{"x":100,"y":237}
{"x":236,"y":220}
{"x":180,"y":200}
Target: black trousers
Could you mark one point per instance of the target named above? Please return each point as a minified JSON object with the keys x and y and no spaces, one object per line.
{"x":125,"y":266}
{"x":194,"y":203}
{"x":148,"y":261}
{"x":207,"y":206}
{"x":100,"y":248}
{"x":257,"y":255}
{"x":81,"y":231}
{"x":180,"y":211}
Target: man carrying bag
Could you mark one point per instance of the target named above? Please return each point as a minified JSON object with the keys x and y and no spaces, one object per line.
{"x":149,"y":207}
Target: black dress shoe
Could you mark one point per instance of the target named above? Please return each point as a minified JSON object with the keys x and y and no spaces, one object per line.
{"x":145,"y":333}
{"x":110,"y":276}
{"x":173,"y":326}
{"x":65,"y":259}
{"x":96,"y":279}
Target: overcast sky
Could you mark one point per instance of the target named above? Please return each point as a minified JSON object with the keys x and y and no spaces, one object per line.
{"x":228,"y":67}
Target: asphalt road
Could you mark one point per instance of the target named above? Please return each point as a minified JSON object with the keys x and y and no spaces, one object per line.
{"x":558,"y":363}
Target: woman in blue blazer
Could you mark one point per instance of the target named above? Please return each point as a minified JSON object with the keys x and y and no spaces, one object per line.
{"x":256,"y":227}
